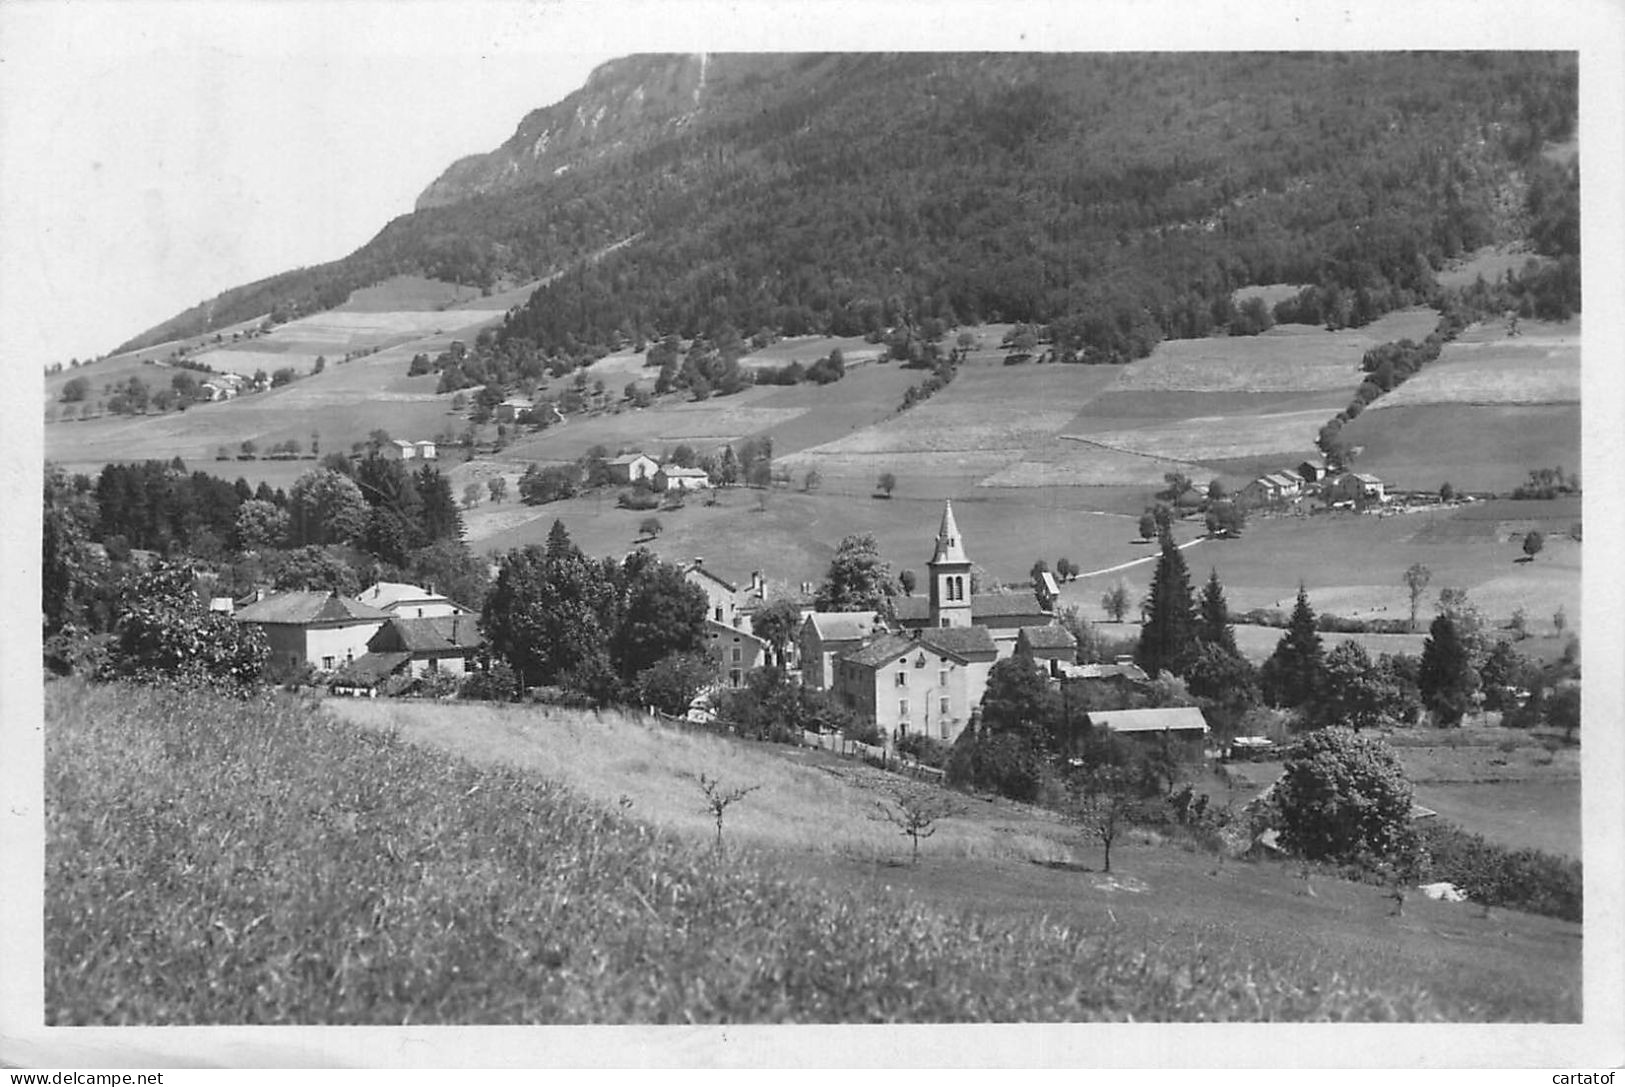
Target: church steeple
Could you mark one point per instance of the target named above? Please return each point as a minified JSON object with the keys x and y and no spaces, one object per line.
{"x":950,"y":548}
{"x":949,"y":573}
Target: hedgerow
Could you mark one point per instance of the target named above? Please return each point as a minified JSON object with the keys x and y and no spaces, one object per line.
{"x":1520,"y":879}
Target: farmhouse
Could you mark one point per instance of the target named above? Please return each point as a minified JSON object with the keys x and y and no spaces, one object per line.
{"x":1274,"y":487}
{"x":425,"y":449}
{"x":400,"y":449}
{"x":905,"y":683}
{"x":672,"y":478}
{"x":826,"y":635}
{"x":324,"y":630}
{"x":442,"y":644}
{"x":1313,"y":471}
{"x":631,"y":467}
{"x":1356,"y":487}
{"x":410,"y":601}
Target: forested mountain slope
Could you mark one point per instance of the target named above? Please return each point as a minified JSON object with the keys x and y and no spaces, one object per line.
{"x":1119,"y":198}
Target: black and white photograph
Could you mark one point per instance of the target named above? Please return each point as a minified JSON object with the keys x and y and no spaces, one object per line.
{"x":749,"y":522}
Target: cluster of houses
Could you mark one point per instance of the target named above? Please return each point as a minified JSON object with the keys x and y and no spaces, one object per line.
{"x":922,"y":670}
{"x":227,"y":386}
{"x":640,"y":467}
{"x":389,"y":629}
{"x":1312,"y":479}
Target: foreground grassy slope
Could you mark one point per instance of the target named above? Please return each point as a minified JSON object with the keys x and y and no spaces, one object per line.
{"x":214,"y":863}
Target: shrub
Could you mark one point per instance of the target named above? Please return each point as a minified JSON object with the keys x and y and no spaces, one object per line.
{"x":495,"y":683}
{"x":1522,"y":879}
{"x":922,"y":748}
{"x":638,"y":500}
{"x":998,"y":762}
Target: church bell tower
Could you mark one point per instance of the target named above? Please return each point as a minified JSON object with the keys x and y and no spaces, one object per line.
{"x":949,"y":571}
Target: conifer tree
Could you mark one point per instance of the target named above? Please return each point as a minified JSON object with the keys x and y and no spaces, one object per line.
{"x":1446,"y":678}
{"x":1292,"y":675}
{"x":1214,"y":624}
{"x":1168,"y":638}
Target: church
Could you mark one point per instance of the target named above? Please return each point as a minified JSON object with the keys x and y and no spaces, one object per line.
{"x":928,"y":674}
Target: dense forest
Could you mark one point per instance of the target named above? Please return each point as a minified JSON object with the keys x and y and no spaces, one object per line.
{"x":1117,"y":198}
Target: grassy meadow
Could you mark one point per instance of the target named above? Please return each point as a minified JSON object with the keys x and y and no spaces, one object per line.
{"x":209,"y":861}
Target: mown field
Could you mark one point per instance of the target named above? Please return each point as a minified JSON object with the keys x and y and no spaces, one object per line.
{"x":297,"y":870}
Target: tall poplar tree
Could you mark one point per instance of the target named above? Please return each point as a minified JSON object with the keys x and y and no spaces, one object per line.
{"x":1168,"y":638}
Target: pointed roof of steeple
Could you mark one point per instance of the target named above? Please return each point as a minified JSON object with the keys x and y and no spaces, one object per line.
{"x":950,"y":546}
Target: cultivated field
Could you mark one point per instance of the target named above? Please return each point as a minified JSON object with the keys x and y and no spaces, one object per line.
{"x":1287,"y":434}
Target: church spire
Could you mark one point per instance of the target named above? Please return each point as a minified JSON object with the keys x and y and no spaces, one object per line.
{"x":950,"y":547}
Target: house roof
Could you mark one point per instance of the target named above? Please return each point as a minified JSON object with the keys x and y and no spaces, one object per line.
{"x":305,"y":608}
{"x":950,"y":545}
{"x":888,"y":647}
{"x":1107,"y":671}
{"x":917,"y":609}
{"x":367,"y":669}
{"x":1366,"y":477}
{"x":687,"y":473}
{"x":443,"y":634}
{"x":628,"y":458}
{"x":1004,"y":605}
{"x":1167,"y":719}
{"x":1047,"y":581}
{"x":962,"y":642}
{"x":698,"y":567}
{"x":1048,"y":637}
{"x":842,"y":626}
{"x":719,"y":629}
{"x":401,"y":443}
{"x":387,"y":594}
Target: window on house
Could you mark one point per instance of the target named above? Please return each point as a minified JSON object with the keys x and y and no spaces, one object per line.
{"x":943,"y":728}
{"x":902,"y":677}
{"x":942,"y":677}
{"x":733,"y":677}
{"x":736,"y":650}
{"x":942,"y":708}
{"x":902,"y":709}
{"x":719,"y":613}
{"x":327,"y":664}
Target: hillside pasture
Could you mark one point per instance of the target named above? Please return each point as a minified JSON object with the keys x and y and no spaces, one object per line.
{"x":406,"y":292}
{"x":809,"y":349}
{"x":1541,"y":365}
{"x":1481,"y":448}
{"x":1287,"y":434}
{"x":1353,"y":565}
{"x":1069,"y":461}
{"x":984,"y":421}
{"x":1287,"y":358}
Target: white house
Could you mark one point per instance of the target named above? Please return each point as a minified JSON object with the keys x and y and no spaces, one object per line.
{"x":324,"y":630}
{"x":410,"y":601}
{"x":632,"y":467}
{"x":672,"y":478}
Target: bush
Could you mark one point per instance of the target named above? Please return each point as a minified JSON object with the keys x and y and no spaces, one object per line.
{"x":638,"y":500}
{"x":1342,"y":794}
{"x":1523,"y":879}
{"x":495,"y":683}
{"x":998,"y":762}
{"x":926,"y":749}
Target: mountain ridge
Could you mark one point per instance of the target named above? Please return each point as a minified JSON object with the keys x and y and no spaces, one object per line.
{"x":849,"y":192}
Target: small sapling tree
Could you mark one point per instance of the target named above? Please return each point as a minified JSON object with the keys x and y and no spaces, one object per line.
{"x":1116,"y":602}
{"x":1533,"y":541}
{"x":718,"y":800}
{"x":915,"y":812}
{"x":886,"y":484}
{"x":1416,"y":583}
{"x":1099,"y":803}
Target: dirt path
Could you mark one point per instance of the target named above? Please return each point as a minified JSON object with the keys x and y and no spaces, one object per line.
{"x":1135,"y":562}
